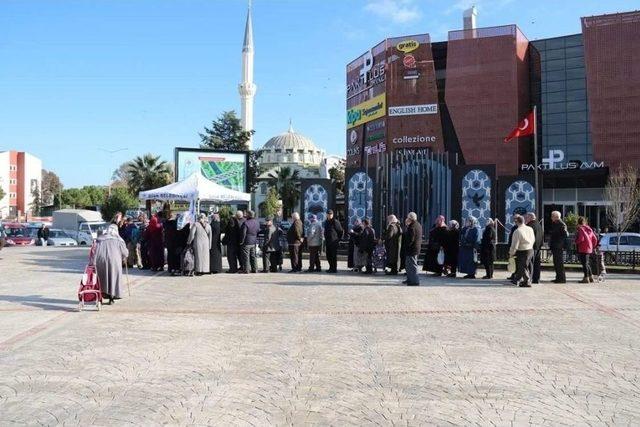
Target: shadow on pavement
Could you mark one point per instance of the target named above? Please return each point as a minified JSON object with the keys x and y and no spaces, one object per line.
{"x":44,"y":303}
{"x":366,"y":280}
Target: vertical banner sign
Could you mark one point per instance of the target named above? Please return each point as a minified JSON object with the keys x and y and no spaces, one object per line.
{"x":519,"y":198}
{"x":360,"y":197}
{"x":317,"y":199}
{"x":476,"y":196}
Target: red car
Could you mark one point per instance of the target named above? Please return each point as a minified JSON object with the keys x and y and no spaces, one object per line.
{"x":18,"y":235}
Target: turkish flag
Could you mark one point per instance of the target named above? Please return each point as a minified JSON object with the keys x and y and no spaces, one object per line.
{"x":524,"y":128}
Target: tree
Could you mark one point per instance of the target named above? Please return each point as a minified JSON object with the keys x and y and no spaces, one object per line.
{"x":623,"y":193}
{"x":97,"y":194}
{"x":147,"y":172}
{"x":51,"y":187}
{"x":120,"y":200}
{"x":119,"y":176}
{"x":36,"y":203}
{"x":271,"y":204}
{"x":74,"y":198}
{"x":286,"y":183}
{"x":226,"y":134}
{"x":336,"y":173}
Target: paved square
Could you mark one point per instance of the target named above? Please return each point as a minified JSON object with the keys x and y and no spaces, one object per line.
{"x":300,"y":349}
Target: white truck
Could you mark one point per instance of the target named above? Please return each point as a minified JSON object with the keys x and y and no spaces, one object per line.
{"x":80,"y":224}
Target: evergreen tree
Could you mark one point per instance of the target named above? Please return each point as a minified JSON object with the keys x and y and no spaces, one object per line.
{"x":271,"y":204}
{"x":286,"y":182}
{"x":36,"y":203}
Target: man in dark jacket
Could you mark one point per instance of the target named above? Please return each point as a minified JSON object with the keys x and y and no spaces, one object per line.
{"x":232,"y":240}
{"x":43,"y":235}
{"x":557,"y":236}
{"x":367,"y":244}
{"x":532,"y":222}
{"x":332,"y":234}
{"x":295,"y":237}
{"x":271,"y":249}
{"x":248,"y":239}
{"x":413,"y":244}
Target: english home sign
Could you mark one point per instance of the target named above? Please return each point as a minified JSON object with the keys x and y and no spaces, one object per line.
{"x":556,"y":161}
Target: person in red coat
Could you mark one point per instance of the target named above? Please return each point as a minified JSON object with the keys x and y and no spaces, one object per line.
{"x":155,"y":244}
{"x":586,"y":241}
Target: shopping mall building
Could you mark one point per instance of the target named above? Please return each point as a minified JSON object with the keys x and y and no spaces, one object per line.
{"x":427,"y":121}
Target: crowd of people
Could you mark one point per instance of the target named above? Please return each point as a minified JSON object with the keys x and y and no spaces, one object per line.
{"x":450,"y":249}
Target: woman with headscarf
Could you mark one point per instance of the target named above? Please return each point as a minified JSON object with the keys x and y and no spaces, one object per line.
{"x":469,"y":243}
{"x":488,"y":248}
{"x":355,"y":235}
{"x":391,"y":239}
{"x":437,"y":237}
{"x":110,"y":251}
{"x":215,"y":254}
{"x":200,"y":240}
{"x":451,"y":247}
{"x":171,"y":242}
{"x":155,"y":243}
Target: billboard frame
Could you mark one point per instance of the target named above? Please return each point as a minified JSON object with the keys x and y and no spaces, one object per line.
{"x":246,"y":153}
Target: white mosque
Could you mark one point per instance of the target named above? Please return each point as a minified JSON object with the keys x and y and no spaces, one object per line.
{"x":289,"y":149}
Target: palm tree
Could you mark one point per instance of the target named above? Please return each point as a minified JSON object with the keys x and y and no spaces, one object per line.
{"x":287,"y":183}
{"x":147,"y":172}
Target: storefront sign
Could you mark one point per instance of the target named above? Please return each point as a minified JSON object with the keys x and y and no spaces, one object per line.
{"x":555,"y":161}
{"x":414,"y":139}
{"x":407,"y":46}
{"x":370,"y":74}
{"x":413,"y":110}
{"x":367,"y":111}
{"x":375,"y":149}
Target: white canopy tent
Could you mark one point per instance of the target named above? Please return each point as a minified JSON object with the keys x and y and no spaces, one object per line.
{"x":196,"y":188}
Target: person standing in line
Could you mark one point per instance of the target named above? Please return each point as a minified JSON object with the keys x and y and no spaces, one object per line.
{"x":469,"y":242}
{"x":391,"y":239}
{"x":532,"y":221}
{"x":248,"y":239}
{"x":367,"y":245}
{"x":215,"y":254}
{"x":155,"y":243}
{"x":488,"y":248}
{"x":413,"y":244}
{"x":271,"y":246}
{"x":170,"y":238}
{"x":131,"y":237}
{"x":143,"y":243}
{"x":314,"y":235}
{"x":355,"y":235}
{"x":200,"y":239}
{"x":437,"y":236}
{"x":522,"y":248}
{"x":295,"y":237}
{"x":43,"y":235}
{"x":557,"y":237}
{"x":586,"y":242}
{"x":232,"y":240}
{"x":451,"y":248}
{"x":332,"y":234}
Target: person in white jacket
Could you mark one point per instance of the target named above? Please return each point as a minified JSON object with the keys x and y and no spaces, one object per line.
{"x":522,"y":249}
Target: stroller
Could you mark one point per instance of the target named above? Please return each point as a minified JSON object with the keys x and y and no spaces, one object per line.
{"x":379,"y":258}
{"x":188,"y":262}
{"x":598,"y":268}
{"x":89,"y":290}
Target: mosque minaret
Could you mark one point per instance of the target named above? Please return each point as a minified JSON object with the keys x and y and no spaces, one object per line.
{"x":247,"y":88}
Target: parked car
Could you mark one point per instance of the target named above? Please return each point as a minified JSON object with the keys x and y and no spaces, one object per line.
{"x":60,"y":238}
{"x":3,"y":238}
{"x":628,"y":242}
{"x":18,"y":235}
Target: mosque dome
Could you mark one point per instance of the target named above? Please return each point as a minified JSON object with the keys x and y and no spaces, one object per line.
{"x":291,"y":147}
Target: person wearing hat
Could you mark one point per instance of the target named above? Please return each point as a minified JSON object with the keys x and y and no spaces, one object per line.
{"x":332,"y":234}
{"x":314,"y":243}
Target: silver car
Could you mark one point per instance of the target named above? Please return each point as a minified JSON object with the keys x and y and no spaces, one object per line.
{"x":60,"y":238}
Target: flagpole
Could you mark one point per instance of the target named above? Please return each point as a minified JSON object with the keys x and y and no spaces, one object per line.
{"x":538,"y":190}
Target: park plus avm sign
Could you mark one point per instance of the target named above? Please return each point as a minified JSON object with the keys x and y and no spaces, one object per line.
{"x":556,"y":161}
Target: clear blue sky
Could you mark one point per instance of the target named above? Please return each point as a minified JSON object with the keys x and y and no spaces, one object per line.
{"x":78,"y":76}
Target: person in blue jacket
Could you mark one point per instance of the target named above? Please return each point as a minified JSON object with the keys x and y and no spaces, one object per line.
{"x":469,"y":244}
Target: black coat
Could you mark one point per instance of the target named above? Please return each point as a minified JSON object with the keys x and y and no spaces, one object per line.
{"x":414,"y":239}
{"x":215,"y":253}
{"x":367,"y":240}
{"x":249,"y":232}
{"x":332,"y":231}
{"x":391,"y":239}
{"x":451,"y":248}
{"x":488,"y":245}
{"x":437,"y":237}
{"x":233,"y":233}
{"x":558,"y":235}
{"x":537,"y":231}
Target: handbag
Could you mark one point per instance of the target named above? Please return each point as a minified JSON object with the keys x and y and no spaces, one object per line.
{"x":511,"y":266}
{"x":440,"y":258}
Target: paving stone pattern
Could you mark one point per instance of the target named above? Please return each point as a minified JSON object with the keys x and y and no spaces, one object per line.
{"x":313,"y":349}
